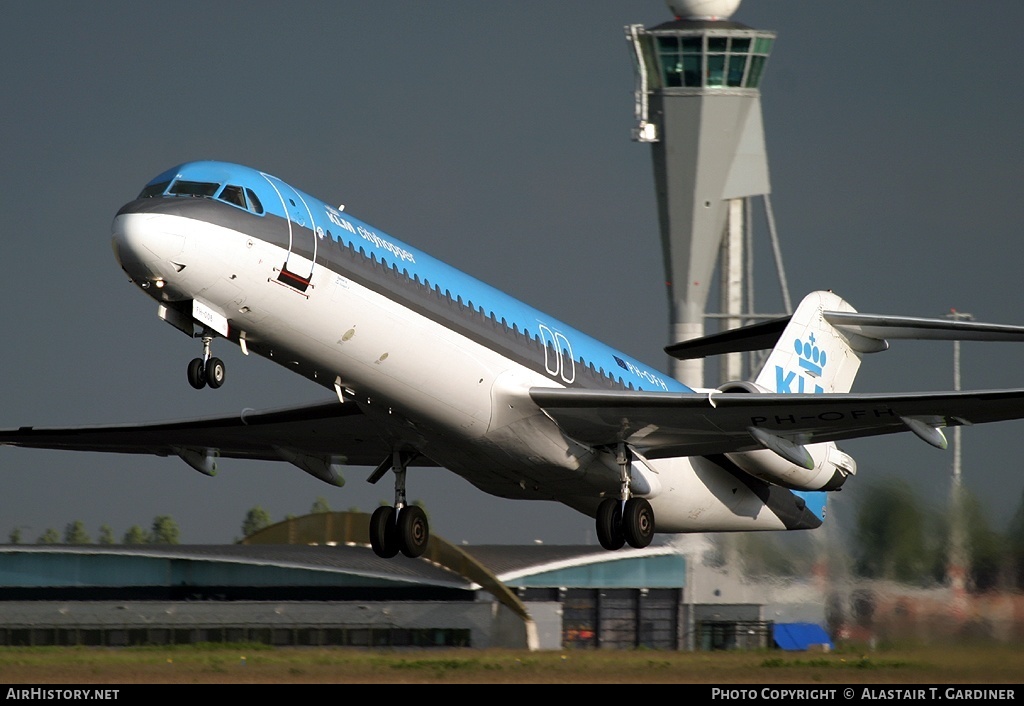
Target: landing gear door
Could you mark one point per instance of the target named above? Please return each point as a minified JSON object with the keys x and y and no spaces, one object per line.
{"x":297,"y":268}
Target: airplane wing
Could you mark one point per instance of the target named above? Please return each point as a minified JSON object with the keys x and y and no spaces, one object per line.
{"x":692,"y":424}
{"x":313,"y":437}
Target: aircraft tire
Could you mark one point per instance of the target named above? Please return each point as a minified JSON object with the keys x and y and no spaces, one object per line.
{"x":383,"y":532}
{"x":609,"y":524}
{"x":196,"y":378}
{"x":214,"y":372}
{"x":413,"y":531}
{"x":638,"y":522}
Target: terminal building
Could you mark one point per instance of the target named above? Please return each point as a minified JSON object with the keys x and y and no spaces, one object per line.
{"x":315,"y":581}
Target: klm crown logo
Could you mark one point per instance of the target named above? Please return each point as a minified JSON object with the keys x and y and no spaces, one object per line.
{"x":812,"y":358}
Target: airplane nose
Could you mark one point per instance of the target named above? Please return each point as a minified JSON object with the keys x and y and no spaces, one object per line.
{"x":145,"y":249}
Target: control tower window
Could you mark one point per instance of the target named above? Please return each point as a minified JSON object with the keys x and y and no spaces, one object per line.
{"x":671,"y":61}
{"x":738,"y":50}
{"x":756,"y":68}
{"x":704,"y":61}
{"x":692,"y":56}
{"x":762,"y":48}
{"x":193,"y":188}
{"x":717,"y":47}
{"x":681,"y":60}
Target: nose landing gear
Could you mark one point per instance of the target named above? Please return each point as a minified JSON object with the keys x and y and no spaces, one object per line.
{"x":206,"y":370}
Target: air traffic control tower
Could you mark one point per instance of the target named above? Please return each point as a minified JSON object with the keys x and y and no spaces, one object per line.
{"x":699,"y":107}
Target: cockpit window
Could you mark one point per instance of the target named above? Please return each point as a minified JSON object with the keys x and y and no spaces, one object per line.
{"x":254,"y":202}
{"x":236,"y":196}
{"x":193,"y":188}
{"x":154,"y":190}
{"x":233,"y":195}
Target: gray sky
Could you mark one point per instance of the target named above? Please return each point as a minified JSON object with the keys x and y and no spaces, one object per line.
{"x":495,"y":136}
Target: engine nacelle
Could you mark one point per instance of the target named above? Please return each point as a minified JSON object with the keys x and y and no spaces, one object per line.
{"x":821,"y":466}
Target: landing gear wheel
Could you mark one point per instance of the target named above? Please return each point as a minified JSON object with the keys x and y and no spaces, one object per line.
{"x":214,"y":372}
{"x":196,"y":378}
{"x":413,"y":532}
{"x":383,"y":532}
{"x":638,"y":522}
{"x":609,"y":524}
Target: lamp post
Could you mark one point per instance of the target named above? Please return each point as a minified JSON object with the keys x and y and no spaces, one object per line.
{"x":956,"y":570}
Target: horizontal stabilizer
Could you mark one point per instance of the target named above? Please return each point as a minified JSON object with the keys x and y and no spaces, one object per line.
{"x":765,"y":335}
{"x":756,"y":337}
{"x":908,"y":327}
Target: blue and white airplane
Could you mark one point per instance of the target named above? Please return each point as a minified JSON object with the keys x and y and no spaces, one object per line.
{"x":431,"y":367}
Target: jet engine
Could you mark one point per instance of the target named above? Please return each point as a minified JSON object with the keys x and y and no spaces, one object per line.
{"x":821,"y":466}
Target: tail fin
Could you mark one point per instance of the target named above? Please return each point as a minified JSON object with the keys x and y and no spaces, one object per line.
{"x":812,"y":356}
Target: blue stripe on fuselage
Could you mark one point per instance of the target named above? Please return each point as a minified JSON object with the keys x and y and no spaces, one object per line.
{"x":814,"y":500}
{"x":352,"y":232}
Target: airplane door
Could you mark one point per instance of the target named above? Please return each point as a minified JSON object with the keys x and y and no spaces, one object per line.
{"x":297,"y":269}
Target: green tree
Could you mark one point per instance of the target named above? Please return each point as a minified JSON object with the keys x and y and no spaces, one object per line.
{"x":106,"y":535}
{"x":987,"y":547}
{"x":15,"y":536}
{"x":165,"y":530}
{"x":256,"y":519}
{"x":320,"y":505}
{"x":74,"y":533}
{"x":987,"y":551}
{"x":136,"y":535}
{"x":50,"y":536}
{"x":892,"y":535}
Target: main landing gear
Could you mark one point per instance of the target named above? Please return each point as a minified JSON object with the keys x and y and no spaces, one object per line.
{"x":206,"y":370}
{"x":402,"y":528}
{"x":626,"y":519}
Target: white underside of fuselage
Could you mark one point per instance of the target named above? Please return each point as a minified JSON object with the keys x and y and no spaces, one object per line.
{"x":461,"y":404}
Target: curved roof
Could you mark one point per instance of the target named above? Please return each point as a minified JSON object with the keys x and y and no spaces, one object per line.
{"x":221,"y":565}
{"x":331,"y":551}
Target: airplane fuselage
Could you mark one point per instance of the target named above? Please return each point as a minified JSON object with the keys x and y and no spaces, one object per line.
{"x":440,"y":360}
